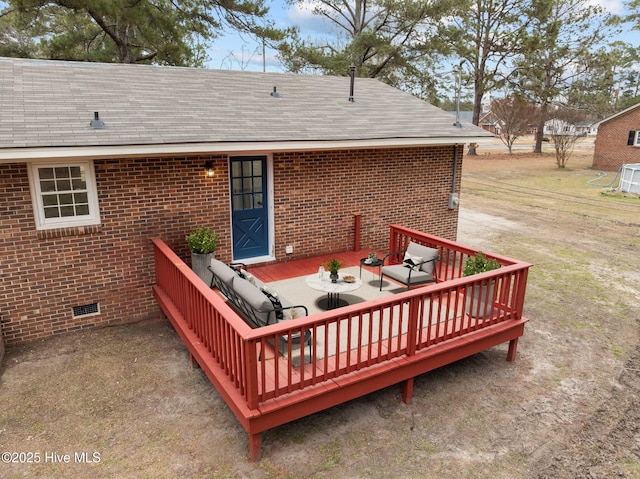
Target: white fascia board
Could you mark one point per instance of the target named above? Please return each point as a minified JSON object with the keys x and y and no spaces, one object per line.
{"x":13,"y":155}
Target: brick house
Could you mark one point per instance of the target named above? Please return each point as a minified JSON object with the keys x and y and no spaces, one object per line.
{"x":96,"y":159}
{"x":618,"y":140}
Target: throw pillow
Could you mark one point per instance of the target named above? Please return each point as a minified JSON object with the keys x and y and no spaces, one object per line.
{"x":249,"y":277}
{"x":273,"y":297}
{"x":413,"y":262}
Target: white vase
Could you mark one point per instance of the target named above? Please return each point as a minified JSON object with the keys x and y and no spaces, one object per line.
{"x":199,"y":263}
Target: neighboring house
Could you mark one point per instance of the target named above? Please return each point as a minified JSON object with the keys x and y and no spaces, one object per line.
{"x":562,"y":127}
{"x":586,"y":128}
{"x":559,"y":127}
{"x":463,"y":116}
{"x":618,"y":140}
{"x":96,"y":159}
{"x":489,"y":121}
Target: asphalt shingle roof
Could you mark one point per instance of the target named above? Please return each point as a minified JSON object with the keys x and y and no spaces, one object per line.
{"x":51,"y":103}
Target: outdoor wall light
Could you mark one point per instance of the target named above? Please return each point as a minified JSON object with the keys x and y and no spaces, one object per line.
{"x":209,"y":171}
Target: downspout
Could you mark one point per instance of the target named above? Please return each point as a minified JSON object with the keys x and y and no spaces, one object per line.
{"x":454,"y":198}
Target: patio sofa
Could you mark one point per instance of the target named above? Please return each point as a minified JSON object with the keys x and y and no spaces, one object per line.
{"x":255,"y":302}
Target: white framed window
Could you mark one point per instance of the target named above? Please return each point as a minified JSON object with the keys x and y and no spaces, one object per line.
{"x":64,"y":194}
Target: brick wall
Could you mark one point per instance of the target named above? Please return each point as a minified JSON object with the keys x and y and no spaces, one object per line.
{"x":409,"y":187}
{"x":43,"y":275}
{"x":611,"y":150}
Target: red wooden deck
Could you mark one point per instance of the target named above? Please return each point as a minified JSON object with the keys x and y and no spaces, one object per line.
{"x":306,"y":266}
{"x":390,"y":340}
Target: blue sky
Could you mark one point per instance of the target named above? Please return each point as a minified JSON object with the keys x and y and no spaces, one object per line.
{"x":237,"y":52}
{"x":234,"y":52}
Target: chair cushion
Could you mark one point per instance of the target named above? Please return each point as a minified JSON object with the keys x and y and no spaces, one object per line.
{"x":255,"y":298}
{"x":222,"y":272}
{"x":400,"y":273}
{"x":427,"y":254}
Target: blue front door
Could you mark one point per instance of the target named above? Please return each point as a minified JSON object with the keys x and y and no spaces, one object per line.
{"x":250,"y":218}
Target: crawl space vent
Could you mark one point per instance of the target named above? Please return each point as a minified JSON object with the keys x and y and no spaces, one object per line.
{"x":85,"y":310}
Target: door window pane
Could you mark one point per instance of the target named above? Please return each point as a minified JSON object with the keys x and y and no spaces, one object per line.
{"x":247,"y":184}
{"x":257,"y":168}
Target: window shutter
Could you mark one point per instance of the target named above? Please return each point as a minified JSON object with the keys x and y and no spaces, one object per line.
{"x":632,"y":138}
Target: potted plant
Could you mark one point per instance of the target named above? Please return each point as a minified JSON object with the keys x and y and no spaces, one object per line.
{"x":479,"y":297}
{"x":202,"y":242}
{"x":333,"y":265}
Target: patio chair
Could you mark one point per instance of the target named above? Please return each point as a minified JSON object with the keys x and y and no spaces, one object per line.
{"x":418,"y":266}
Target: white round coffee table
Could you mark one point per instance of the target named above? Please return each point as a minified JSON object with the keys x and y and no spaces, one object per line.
{"x":333,"y":290}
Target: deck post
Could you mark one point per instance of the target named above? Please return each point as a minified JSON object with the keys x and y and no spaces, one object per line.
{"x":407,"y":391}
{"x":193,"y":363}
{"x":513,"y":346}
{"x":254,"y":447}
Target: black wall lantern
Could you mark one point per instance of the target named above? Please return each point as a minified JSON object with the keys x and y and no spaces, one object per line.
{"x":209,"y":171}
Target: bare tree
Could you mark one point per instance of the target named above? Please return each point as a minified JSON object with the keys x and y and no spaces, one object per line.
{"x":563,"y":134}
{"x":514,"y":116}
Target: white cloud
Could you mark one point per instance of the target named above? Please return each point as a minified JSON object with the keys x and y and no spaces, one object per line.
{"x":612,"y":6}
{"x":301,"y":15}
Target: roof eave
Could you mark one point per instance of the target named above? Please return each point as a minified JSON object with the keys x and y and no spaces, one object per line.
{"x":13,"y":155}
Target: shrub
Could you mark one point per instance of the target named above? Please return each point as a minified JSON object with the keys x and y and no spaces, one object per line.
{"x":202,"y":240}
{"x":479,"y":264}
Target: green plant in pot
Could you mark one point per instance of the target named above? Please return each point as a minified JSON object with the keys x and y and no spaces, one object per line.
{"x":333,"y":265}
{"x":202,"y":242}
{"x":479,"y":297}
{"x":479,"y":264}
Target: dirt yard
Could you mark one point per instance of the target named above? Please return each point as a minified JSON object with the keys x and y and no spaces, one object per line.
{"x":123,"y":402}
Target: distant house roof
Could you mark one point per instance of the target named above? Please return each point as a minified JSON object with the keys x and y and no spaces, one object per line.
{"x":486,"y":117}
{"x":466,"y":116}
{"x":46,"y":108}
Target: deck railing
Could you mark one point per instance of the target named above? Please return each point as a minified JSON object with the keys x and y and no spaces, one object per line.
{"x":344,"y":340}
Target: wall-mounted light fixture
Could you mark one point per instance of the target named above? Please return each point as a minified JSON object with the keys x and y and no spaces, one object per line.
{"x":208,"y":169}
